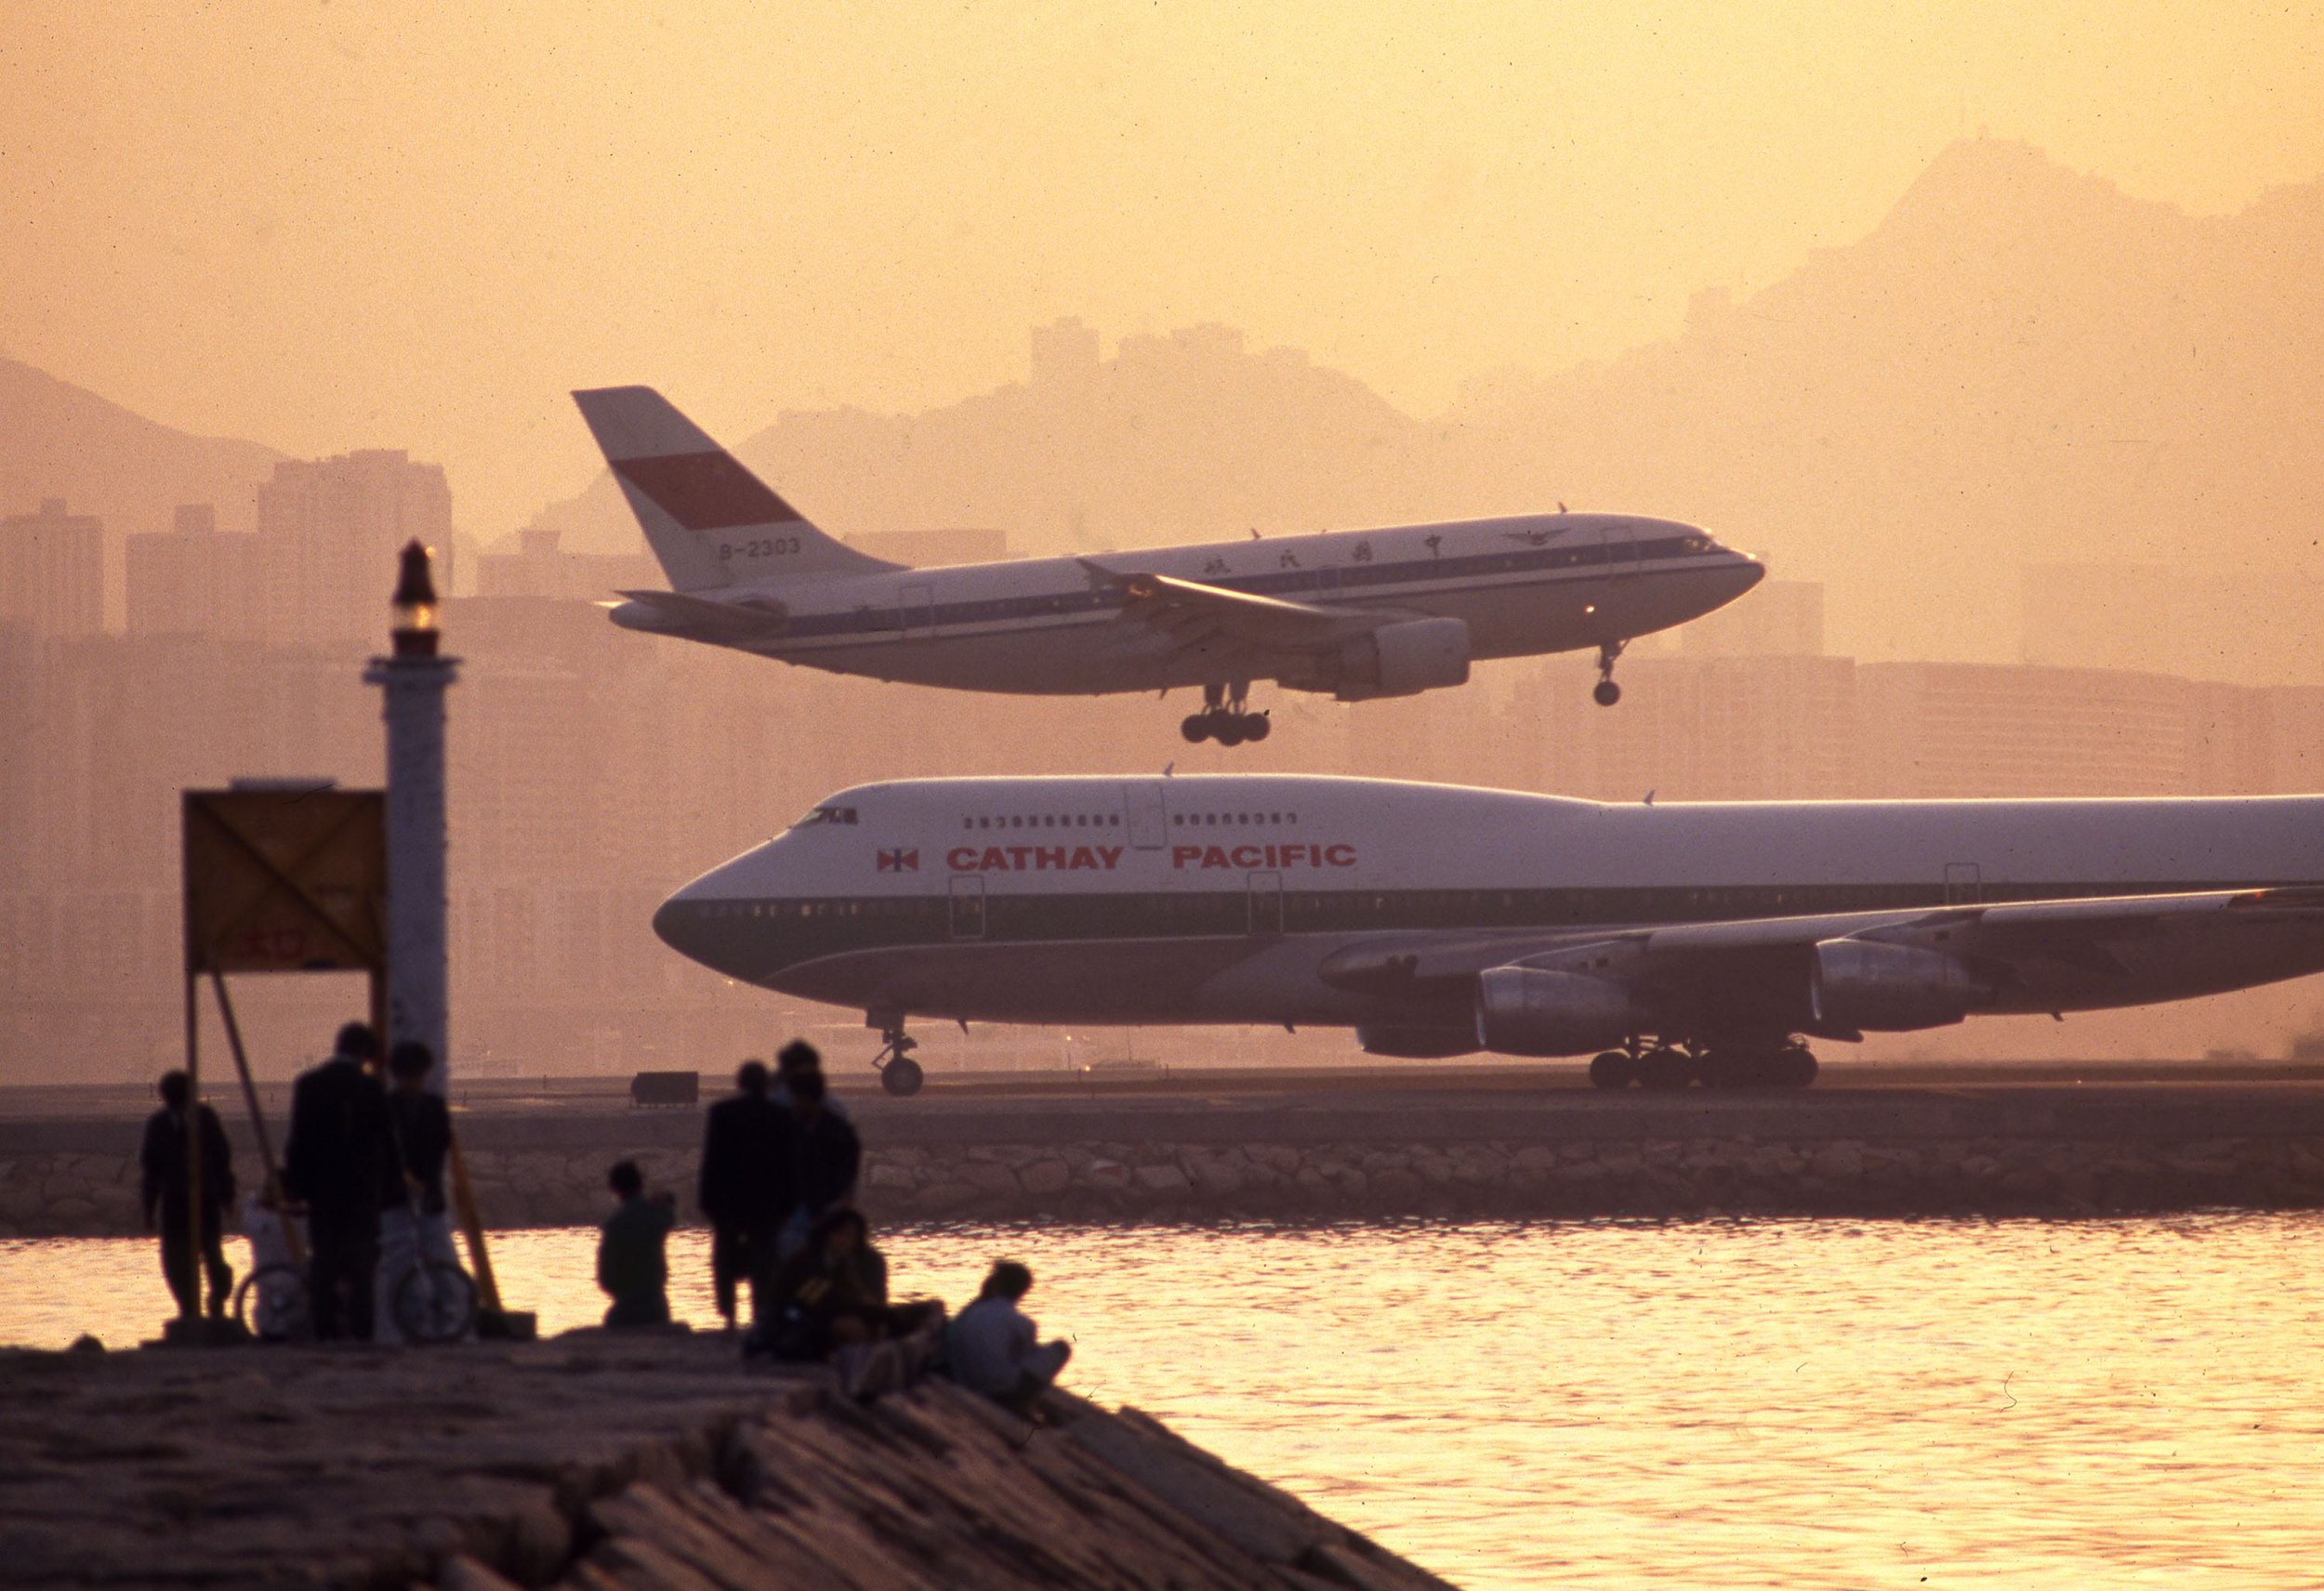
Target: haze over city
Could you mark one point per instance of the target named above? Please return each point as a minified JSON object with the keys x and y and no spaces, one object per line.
{"x":1998,"y":376}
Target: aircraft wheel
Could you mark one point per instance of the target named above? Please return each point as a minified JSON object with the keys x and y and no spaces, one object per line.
{"x":1257,"y":726}
{"x":1196,"y":727}
{"x":1606,"y":693}
{"x":1665,"y":1071}
{"x":1611,"y":1070}
{"x":902,"y":1077}
{"x":1797,"y":1068}
{"x":1229,"y":730}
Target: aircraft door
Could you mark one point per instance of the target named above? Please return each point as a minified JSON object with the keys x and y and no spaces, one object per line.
{"x":916,"y":616}
{"x":1142,"y":805}
{"x":968,"y":906}
{"x":1266,"y":904}
{"x":1962,"y":885}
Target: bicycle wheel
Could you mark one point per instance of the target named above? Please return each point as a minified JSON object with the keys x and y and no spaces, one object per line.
{"x":272,"y":1306}
{"x":435,"y":1302}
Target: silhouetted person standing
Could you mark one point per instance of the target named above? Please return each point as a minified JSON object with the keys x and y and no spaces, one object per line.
{"x":794,"y":1059}
{"x":337,"y":1159}
{"x":746,"y":1187}
{"x":829,"y":1155}
{"x":414,"y":1225}
{"x":161,"y":1162}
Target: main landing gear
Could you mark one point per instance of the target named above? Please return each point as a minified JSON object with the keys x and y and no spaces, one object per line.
{"x":1607,"y":693}
{"x":1664,"y":1067}
{"x":899,"y":1073}
{"x":1224,"y":719}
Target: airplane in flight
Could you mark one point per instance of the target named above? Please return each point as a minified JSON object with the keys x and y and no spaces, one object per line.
{"x":1357,"y":614}
{"x":1686,"y":944}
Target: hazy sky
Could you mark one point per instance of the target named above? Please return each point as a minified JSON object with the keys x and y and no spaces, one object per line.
{"x":342,"y":225}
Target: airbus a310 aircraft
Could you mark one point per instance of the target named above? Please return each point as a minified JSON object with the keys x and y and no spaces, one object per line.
{"x":1354,"y":614}
{"x":1684,"y":943}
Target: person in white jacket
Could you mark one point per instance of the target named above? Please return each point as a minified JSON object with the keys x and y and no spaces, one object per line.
{"x":992,"y":1348}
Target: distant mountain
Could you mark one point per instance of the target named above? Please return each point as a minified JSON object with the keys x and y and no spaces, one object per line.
{"x":58,"y":441}
{"x":1188,"y":435}
{"x":2020,"y":364}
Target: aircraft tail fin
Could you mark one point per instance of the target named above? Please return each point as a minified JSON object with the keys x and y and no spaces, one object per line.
{"x":710,"y":521}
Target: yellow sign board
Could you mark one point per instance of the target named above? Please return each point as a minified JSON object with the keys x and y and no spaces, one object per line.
{"x":285,"y":879}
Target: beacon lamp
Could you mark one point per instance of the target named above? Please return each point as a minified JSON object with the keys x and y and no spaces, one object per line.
{"x":414,"y":604}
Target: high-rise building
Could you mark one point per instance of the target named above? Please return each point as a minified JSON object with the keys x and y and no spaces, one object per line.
{"x":195,"y":580}
{"x":2255,"y":626}
{"x":1952,"y":730}
{"x":329,"y":532}
{"x":1762,"y":728}
{"x":540,"y":568}
{"x":52,"y":572}
{"x":1781,"y":618}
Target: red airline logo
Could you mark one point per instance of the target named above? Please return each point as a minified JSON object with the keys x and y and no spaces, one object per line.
{"x":1275,"y":856}
{"x":1032,"y":859}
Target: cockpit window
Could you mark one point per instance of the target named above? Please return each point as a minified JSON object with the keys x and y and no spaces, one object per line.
{"x":826,"y":815}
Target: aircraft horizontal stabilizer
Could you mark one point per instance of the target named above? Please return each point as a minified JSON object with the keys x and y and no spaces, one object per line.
{"x":753,"y":615}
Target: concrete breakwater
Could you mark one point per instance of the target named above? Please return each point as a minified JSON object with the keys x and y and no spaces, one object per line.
{"x":607,"y":1463}
{"x":2037,"y":1151}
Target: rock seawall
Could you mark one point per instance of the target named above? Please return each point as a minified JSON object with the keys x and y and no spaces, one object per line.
{"x":84,"y":1193}
{"x":610,"y":1462}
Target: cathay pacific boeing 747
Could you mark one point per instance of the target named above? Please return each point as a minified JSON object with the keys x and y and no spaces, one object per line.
{"x":1683,"y":943}
{"x":1354,"y":613}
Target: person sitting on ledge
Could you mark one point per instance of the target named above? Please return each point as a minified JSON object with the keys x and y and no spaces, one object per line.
{"x":631,"y":1267}
{"x":832,"y":1293}
{"x":992,"y":1348}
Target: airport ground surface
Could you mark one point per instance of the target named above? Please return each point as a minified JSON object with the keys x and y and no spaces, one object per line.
{"x":1366,"y":1142}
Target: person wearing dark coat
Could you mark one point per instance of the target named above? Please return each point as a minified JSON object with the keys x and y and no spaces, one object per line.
{"x":337,"y":1162}
{"x":632,"y":1268}
{"x":829,"y":1153}
{"x":832,"y":1291}
{"x":420,"y":1124}
{"x":746,"y":1187}
{"x":161,"y":1162}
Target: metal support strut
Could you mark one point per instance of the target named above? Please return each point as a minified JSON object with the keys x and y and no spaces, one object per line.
{"x":1607,"y":693}
{"x":899,"y":1073}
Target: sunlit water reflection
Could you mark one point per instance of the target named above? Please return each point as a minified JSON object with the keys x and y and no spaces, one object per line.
{"x":1758,"y":1403}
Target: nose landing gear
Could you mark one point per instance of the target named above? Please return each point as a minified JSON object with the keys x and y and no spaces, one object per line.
{"x":1606,"y":692}
{"x":1224,"y":719}
{"x":899,"y":1073}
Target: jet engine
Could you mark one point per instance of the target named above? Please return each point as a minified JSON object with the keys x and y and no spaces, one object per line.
{"x":1525,"y":1010}
{"x":1890,"y":988}
{"x":1418,"y":1044}
{"x":1404,"y":660}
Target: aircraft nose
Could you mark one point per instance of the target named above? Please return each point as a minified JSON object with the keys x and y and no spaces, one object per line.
{"x":682,"y":923}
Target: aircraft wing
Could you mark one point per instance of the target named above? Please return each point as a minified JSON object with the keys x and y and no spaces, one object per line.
{"x":2009,"y":941}
{"x":1194,"y":614}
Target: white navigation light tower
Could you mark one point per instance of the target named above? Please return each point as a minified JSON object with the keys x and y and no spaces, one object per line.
{"x":415,"y":679}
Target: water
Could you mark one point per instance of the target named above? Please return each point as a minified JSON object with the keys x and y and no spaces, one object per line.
{"x":1788,"y":1403}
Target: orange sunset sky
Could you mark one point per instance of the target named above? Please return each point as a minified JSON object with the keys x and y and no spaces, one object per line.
{"x":328,"y":225}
